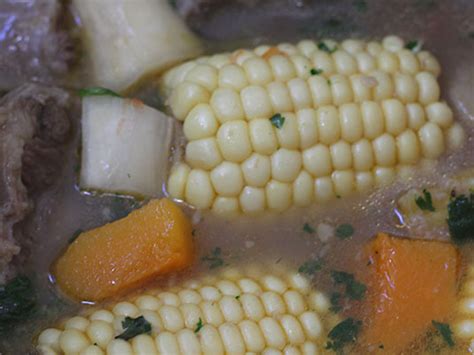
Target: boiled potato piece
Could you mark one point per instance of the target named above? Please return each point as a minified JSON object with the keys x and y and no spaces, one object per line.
{"x":125,"y":146}
{"x":128,"y":39}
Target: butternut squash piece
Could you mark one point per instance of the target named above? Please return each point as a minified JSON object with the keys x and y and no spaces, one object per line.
{"x":103,"y":262}
{"x":413,"y":283}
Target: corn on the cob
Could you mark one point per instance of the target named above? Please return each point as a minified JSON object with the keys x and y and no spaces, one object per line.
{"x":238,"y":311}
{"x":288,"y":125}
{"x":463,"y":326}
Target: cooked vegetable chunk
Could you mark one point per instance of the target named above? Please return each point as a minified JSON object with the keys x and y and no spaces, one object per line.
{"x":463,"y":326}
{"x":129,"y":39}
{"x":306,"y":122}
{"x":234,"y":312}
{"x":125,"y":146}
{"x":152,"y":241}
{"x":413,"y":282}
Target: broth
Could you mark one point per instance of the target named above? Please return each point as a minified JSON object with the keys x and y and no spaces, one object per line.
{"x":444,"y":28}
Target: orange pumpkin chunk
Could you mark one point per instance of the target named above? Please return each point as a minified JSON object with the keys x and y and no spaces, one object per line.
{"x":151,"y":241}
{"x":413,"y":283}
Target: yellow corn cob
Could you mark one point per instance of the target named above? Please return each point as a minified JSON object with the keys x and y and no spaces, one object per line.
{"x":355,"y":114}
{"x":238,"y":311}
{"x":463,"y":326}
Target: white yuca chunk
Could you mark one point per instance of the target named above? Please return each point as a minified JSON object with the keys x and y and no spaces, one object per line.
{"x":125,"y":146}
{"x":128,"y":39}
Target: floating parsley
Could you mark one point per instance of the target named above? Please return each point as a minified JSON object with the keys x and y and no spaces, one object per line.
{"x":17,"y":301}
{"x":97,"y":91}
{"x":360,"y":5}
{"x":214,"y":259}
{"x":315,"y":71}
{"x":335,"y":300}
{"x":354,"y":289}
{"x":199,"y":326}
{"x":425,"y":202}
{"x":461,"y":218}
{"x":237,"y":297}
{"x":344,"y":333}
{"x":413,"y":46}
{"x":324,"y":47}
{"x":133,"y":327}
{"x":277,"y":120}
{"x":344,"y":231}
{"x":445,"y":330}
{"x":308,"y":229}
{"x":310,"y":267}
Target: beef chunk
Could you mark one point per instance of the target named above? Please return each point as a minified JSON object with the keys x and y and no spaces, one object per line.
{"x":33,"y":43}
{"x":34,"y":130}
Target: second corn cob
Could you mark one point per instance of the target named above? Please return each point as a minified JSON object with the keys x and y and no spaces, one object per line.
{"x":289,"y":125}
{"x":234,"y":312}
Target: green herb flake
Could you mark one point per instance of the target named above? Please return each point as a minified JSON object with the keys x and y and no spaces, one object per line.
{"x":344,"y":333}
{"x":381,"y":346}
{"x":354,"y":289}
{"x":133,"y":327}
{"x":344,"y":231}
{"x":237,"y":297}
{"x":425,"y":203}
{"x":74,"y":235}
{"x":329,"y":82}
{"x":335,"y":300}
{"x":461,"y":218}
{"x":214,"y":259}
{"x":97,"y":91}
{"x":310,"y":267}
{"x":360,"y":5}
{"x":445,"y":330}
{"x":324,"y":47}
{"x":199,"y":326}
{"x":315,"y":71}
{"x":414,"y":46}
{"x":277,"y":120}
{"x":307,"y":228}
{"x":17,"y":301}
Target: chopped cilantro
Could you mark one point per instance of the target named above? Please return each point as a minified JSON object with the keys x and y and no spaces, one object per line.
{"x":17,"y":301}
{"x":344,"y":231}
{"x":277,"y":120}
{"x":335,"y":300}
{"x":97,"y":91}
{"x":315,"y":71}
{"x":344,"y":333}
{"x":329,"y":82}
{"x":75,"y":235}
{"x":360,"y":5}
{"x":445,"y":330}
{"x":461,"y":218}
{"x":199,"y":326}
{"x":214,"y":259}
{"x":425,"y":202}
{"x":381,"y":346}
{"x":133,"y":327}
{"x":354,"y":289}
{"x":308,"y":228}
{"x":324,"y":47}
{"x":412,"y":45}
{"x":237,"y":297}
{"x":310,"y":267}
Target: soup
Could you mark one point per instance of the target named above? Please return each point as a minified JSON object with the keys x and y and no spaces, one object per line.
{"x":384,"y":270}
